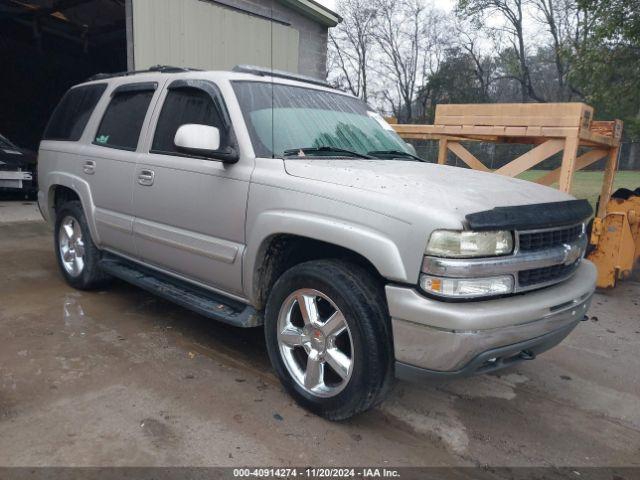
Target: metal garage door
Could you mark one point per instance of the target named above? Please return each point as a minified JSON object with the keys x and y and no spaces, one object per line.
{"x":201,"y":34}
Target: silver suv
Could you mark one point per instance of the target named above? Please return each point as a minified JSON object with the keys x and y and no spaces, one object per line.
{"x":259,"y":198}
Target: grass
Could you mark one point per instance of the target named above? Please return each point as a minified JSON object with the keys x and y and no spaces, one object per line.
{"x":588,"y":184}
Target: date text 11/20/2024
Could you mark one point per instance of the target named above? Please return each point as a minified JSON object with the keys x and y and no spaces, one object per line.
{"x":316,"y":472}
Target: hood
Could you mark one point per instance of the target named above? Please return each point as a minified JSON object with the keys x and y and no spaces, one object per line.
{"x":427,"y":184}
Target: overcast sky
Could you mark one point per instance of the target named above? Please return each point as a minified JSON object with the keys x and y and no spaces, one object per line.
{"x":446,"y":5}
{"x":532,"y":28}
{"x":328,"y":3}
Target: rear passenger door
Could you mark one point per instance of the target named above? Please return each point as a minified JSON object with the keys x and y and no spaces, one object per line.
{"x":190,"y":210}
{"x":110,"y":161}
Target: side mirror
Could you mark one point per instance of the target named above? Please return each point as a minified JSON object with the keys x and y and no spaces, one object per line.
{"x":411,"y":148}
{"x":198,"y":139}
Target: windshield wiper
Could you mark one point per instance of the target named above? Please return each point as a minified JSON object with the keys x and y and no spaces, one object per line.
{"x":295,"y":152}
{"x":397,"y":153}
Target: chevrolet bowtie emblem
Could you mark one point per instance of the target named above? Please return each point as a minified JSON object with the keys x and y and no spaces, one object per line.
{"x":571,"y":253}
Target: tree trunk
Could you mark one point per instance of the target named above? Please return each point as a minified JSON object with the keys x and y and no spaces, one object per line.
{"x":634,"y":153}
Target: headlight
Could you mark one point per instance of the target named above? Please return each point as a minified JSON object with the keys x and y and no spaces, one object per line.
{"x":467,"y":287}
{"x":461,"y":244}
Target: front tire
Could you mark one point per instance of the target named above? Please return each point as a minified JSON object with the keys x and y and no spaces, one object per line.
{"x":78,"y":257}
{"x":329,"y":339}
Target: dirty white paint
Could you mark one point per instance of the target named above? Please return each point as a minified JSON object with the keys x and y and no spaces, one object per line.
{"x":427,"y":183}
{"x":192,"y":33}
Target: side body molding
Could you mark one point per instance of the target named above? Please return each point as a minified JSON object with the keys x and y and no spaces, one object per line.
{"x":379,"y":249}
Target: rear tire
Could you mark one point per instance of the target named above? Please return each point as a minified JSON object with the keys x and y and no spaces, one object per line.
{"x":334,"y":355}
{"x":78,"y":257}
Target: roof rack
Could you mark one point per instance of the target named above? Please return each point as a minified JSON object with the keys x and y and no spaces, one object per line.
{"x":267,"y":72}
{"x":156,"y":68}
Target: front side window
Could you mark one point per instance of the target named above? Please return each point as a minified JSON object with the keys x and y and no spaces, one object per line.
{"x":123,"y":119}
{"x":73,"y":112}
{"x":182,"y":106}
{"x":284,"y":117}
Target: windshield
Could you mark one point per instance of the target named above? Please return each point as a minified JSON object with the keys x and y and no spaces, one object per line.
{"x":306,"y":118}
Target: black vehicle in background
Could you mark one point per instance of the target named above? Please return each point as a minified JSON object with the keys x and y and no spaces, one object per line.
{"x":18,"y":169}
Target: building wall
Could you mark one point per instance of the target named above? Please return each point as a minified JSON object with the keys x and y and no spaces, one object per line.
{"x":312,"y":54}
{"x":217,"y":35}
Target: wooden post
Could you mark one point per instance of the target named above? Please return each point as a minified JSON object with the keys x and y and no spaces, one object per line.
{"x":607,"y":181}
{"x":442,"y":151}
{"x":531,"y":158}
{"x":467,"y":157}
{"x":568,"y":163}
{"x":584,"y":160}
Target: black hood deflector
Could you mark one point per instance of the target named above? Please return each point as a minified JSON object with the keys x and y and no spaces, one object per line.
{"x":531,"y":217}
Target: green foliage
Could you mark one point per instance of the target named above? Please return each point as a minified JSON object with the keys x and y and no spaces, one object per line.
{"x":607,"y":67}
{"x":616,"y":20}
{"x":455,"y":81}
{"x":587,"y":185}
{"x":610,"y":81}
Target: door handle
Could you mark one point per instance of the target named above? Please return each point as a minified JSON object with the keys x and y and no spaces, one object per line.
{"x":146,"y":177}
{"x":89,"y":167}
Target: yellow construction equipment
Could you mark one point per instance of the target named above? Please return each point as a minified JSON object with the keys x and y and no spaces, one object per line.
{"x":615,"y":238}
{"x":550,"y":128}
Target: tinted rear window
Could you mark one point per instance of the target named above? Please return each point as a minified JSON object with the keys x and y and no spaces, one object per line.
{"x":72,"y":113}
{"x":122,"y":122}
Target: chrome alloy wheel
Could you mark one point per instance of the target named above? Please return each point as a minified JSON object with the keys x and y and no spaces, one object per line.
{"x":71,"y":246}
{"x":315,"y":343}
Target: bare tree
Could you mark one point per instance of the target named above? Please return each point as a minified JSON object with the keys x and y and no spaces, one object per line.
{"x":549,"y":15}
{"x":408,"y":35}
{"x":469,"y":40}
{"x":568,"y":25}
{"x":351,"y":44}
{"x":512,"y":13}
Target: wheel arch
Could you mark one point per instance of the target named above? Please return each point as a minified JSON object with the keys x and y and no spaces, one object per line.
{"x":63,"y":188}
{"x":295,"y":239}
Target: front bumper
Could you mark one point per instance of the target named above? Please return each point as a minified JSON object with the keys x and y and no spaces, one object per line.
{"x":433,"y":338}
{"x":15,"y":179}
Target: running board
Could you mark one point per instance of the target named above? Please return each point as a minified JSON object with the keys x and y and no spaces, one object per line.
{"x":199,"y":300}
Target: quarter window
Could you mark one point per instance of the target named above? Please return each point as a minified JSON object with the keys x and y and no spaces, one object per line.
{"x":72,"y":113}
{"x":123,"y":119}
{"x":182,"y":106}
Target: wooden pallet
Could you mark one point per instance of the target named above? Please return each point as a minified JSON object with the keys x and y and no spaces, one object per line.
{"x":549,"y":127}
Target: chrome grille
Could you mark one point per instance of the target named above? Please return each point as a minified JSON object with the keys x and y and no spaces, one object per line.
{"x":533,"y":241}
{"x":539,"y":240}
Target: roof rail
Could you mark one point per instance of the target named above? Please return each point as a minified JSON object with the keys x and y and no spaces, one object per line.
{"x":156,"y":68}
{"x":267,"y":72}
